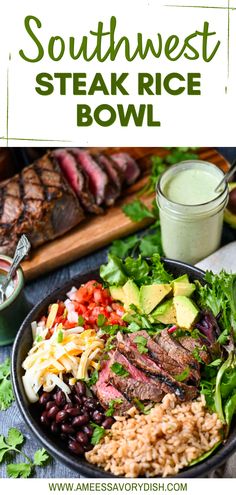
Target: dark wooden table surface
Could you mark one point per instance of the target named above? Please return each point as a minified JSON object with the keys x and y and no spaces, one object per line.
{"x":35,"y":291}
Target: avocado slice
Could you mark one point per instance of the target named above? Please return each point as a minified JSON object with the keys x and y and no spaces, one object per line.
{"x":165,"y":313}
{"x":186,"y":312}
{"x":131,"y":293}
{"x":151,"y":295}
{"x":230,"y":211}
{"x":117,"y":293}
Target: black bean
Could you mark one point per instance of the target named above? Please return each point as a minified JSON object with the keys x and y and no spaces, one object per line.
{"x":60,"y":398}
{"x":45,"y":419}
{"x":50,"y":404}
{"x":98,"y":417}
{"x":61,"y":416}
{"x":80,"y":420}
{"x":67,"y":429}
{"x":75,"y":447}
{"x":68,"y":406}
{"x":73,"y":411}
{"x":45,"y":397}
{"x":82,"y":438}
{"x":88,"y":430}
{"x":55,"y":428}
{"x":80,"y":388}
{"x":78,"y":400}
{"x":90,"y":403}
{"x":52,"y":412}
{"x":107,"y":423}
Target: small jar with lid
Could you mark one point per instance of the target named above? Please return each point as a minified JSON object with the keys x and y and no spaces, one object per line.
{"x":14,"y":309}
{"x":191,"y":211}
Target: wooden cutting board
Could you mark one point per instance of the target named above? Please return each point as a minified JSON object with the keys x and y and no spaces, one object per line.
{"x":96,"y":232}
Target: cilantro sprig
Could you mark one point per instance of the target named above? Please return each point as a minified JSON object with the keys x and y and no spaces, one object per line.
{"x":111,"y":409}
{"x":141,"y":344}
{"x":13,"y":444}
{"x":119,"y":370}
{"x":6,"y":392}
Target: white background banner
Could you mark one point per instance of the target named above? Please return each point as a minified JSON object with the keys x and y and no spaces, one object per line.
{"x":119,"y":486}
{"x":27,"y":117}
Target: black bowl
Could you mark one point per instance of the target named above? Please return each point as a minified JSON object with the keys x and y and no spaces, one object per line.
{"x":22,"y":345}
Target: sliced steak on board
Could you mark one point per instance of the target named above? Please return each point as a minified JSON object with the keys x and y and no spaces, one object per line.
{"x":113,"y":188}
{"x":165,"y":381}
{"x":37,"y":202}
{"x":78,"y":179}
{"x":106,"y":392}
{"x":98,"y":179}
{"x":127,"y":166}
{"x":137,"y":385}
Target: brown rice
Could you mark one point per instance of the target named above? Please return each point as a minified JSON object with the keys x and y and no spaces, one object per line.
{"x":160,"y":443}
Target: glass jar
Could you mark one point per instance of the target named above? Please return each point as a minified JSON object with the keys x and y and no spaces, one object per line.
{"x":191,"y":232}
{"x":15,"y":307}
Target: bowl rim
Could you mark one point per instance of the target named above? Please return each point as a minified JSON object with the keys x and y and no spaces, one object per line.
{"x":80,"y":464}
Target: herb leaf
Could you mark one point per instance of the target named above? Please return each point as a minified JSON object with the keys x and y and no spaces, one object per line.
{"x":101,"y":320}
{"x":119,"y":370}
{"x":21,"y":470}
{"x":137,"y":211}
{"x":80,"y":320}
{"x":6,"y":391}
{"x":141,"y":344}
{"x":182,"y":376}
{"x":110,"y":411}
{"x":122,"y":247}
{"x":98,"y":433}
{"x":41,"y":457}
{"x":93,"y":379}
{"x":14,"y":437}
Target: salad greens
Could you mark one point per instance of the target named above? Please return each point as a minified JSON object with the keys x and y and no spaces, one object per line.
{"x":218,"y":382}
{"x":117,"y":271}
{"x":219,"y":296}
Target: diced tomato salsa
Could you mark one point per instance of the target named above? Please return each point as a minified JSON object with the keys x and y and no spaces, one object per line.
{"x":90,"y":301}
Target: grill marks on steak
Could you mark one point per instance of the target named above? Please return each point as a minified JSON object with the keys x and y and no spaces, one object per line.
{"x":37,"y":202}
{"x":158,"y":354}
{"x":167,"y":382}
{"x":175,"y":351}
{"x":137,"y":385}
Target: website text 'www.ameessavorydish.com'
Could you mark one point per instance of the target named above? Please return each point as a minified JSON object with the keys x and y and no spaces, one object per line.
{"x":126,"y":487}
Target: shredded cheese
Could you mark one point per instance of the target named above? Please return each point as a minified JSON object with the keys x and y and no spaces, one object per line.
{"x":49,"y":359}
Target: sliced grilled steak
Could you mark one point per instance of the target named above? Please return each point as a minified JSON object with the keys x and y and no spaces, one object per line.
{"x":199,"y":345}
{"x":175,"y":351}
{"x":106,"y":392}
{"x":137,"y":385}
{"x":113,"y":188}
{"x":162,"y":358}
{"x":78,"y":180}
{"x":98,"y":179}
{"x":165,"y":381}
{"x":39,"y":203}
{"x":128,"y":167}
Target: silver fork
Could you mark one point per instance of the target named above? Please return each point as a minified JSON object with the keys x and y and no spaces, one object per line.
{"x":21,"y":251}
